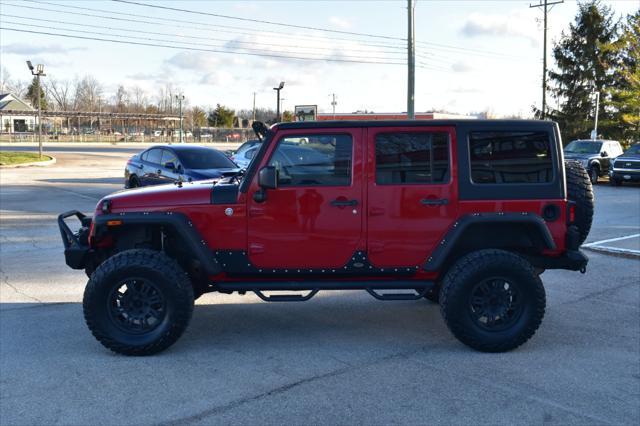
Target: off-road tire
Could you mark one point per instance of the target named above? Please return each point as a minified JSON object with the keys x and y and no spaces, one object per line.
{"x":580,"y":191}
{"x":477,"y":267}
{"x":134,"y":182}
{"x":594,"y":174}
{"x":165,"y":275}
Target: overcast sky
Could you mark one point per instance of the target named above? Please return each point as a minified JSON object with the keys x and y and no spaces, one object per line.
{"x":474,"y":55}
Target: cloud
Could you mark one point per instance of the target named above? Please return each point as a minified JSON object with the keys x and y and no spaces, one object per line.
{"x":461,"y":67}
{"x":340,"y":22}
{"x":515,"y":24}
{"x":195,"y":61}
{"x":31,"y":49}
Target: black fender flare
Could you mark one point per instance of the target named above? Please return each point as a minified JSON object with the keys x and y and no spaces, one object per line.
{"x":456,"y":233}
{"x":178,"y":222}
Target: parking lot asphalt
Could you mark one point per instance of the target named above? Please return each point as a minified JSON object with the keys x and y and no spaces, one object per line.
{"x":341,"y":358}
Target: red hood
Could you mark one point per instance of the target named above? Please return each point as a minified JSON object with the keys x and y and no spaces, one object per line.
{"x":189,"y":193}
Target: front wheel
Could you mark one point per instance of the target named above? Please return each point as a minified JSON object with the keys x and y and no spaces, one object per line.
{"x":138,"y":302}
{"x":594,"y":173}
{"x":492,"y":300}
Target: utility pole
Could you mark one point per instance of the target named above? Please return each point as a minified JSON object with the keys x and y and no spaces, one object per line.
{"x":411,"y":62}
{"x":254,"y":106}
{"x":180,"y":98}
{"x":38,"y":72}
{"x":333,"y":104}
{"x":545,"y":5}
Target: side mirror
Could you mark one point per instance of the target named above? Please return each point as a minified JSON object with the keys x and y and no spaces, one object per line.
{"x":604,"y":154}
{"x":170,"y":165}
{"x":268,"y":177}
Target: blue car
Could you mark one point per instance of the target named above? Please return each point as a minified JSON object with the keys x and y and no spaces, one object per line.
{"x":167,"y":164}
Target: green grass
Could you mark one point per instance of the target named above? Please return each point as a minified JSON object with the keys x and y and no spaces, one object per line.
{"x":12,"y":157}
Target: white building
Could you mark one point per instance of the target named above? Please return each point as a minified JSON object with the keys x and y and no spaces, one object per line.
{"x":11,"y":118}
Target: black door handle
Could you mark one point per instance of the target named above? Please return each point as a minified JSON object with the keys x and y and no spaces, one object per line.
{"x":344,"y":203}
{"x":434,"y":202}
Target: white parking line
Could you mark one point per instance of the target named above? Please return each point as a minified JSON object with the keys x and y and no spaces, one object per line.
{"x":611,"y":240}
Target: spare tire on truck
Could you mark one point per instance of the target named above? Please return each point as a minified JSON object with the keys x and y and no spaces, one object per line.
{"x":580,"y":191}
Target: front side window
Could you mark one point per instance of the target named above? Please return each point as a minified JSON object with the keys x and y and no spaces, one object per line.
{"x":169,"y":157}
{"x":323,"y":160}
{"x":510,"y":157}
{"x":412,"y":158}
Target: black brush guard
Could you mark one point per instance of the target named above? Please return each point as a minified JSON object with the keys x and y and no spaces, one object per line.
{"x":76,"y":244}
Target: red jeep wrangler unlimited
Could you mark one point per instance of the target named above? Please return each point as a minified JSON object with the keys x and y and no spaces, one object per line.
{"x":468,"y":213}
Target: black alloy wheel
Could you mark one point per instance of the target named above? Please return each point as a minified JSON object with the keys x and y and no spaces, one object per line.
{"x":495,"y":304}
{"x":136,"y":305}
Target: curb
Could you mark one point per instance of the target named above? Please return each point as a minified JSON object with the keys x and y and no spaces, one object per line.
{"x":32,"y":164}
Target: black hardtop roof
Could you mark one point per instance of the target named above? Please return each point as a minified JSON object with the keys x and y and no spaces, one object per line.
{"x":475,"y":124}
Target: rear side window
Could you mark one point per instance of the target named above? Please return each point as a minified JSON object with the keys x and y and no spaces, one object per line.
{"x":154,"y":156}
{"x":510,"y":157}
{"x":412,"y":158}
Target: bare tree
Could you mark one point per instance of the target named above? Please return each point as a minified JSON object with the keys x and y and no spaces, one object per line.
{"x":61,"y":92}
{"x":121,"y":99}
{"x":15,"y":86}
{"x":87,"y":93}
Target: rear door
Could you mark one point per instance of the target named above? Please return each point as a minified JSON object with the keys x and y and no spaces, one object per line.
{"x":411,"y":193}
{"x":314,"y":218}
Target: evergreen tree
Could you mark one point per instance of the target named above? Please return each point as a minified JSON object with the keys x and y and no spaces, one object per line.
{"x":585,"y":59}
{"x":32,"y":95}
{"x":221,"y":117}
{"x":626,"y":97}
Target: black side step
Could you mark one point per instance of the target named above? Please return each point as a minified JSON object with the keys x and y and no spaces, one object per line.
{"x":286,"y":297}
{"x":418,"y":294}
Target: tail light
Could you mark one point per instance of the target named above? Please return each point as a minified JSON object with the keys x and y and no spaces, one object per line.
{"x":572,"y":213}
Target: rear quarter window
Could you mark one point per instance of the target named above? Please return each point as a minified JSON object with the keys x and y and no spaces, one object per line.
{"x":498,"y":157}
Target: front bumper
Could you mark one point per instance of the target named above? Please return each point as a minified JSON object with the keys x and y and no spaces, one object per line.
{"x":625,"y":175}
{"x":76,"y":244}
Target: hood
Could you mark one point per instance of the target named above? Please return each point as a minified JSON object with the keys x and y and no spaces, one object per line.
{"x":628,"y":157}
{"x":201,"y":174}
{"x":576,"y":156}
{"x":160,"y":196}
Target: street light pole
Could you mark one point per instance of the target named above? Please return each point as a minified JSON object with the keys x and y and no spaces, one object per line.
{"x":594,"y":134}
{"x":278,"y":89}
{"x":38,"y":72}
{"x":180,"y":98}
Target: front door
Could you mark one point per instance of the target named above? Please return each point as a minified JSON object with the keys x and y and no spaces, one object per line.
{"x":411,"y":193}
{"x":314,"y":219}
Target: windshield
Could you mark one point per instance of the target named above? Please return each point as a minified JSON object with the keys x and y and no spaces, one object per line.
{"x":634,"y":150}
{"x":204,"y":159}
{"x":583,"y":147}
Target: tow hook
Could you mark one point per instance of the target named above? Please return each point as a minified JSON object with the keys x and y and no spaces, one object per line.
{"x":583,"y":270}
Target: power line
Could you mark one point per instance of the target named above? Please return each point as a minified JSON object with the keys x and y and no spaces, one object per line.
{"x":268,"y":55}
{"x":195,"y":37}
{"x":204,"y":25}
{"x":436,"y":46}
{"x":259,"y":21}
{"x":350,"y":56}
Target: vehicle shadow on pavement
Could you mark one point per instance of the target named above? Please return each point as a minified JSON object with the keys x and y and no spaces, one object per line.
{"x":107,"y":180}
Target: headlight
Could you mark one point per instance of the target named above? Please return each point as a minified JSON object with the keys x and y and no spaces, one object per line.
{"x":585,"y":163}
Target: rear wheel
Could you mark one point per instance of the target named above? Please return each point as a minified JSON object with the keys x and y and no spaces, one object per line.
{"x":138,"y":302}
{"x":492,"y":300}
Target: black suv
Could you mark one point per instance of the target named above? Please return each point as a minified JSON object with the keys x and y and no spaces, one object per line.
{"x":595,"y":155}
